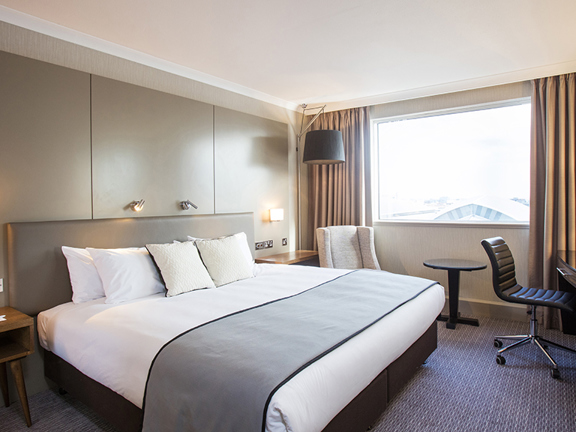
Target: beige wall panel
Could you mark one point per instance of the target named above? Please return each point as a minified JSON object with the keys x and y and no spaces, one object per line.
{"x":402,"y":247}
{"x":150,"y":145}
{"x":44,"y":144}
{"x":252,"y":172}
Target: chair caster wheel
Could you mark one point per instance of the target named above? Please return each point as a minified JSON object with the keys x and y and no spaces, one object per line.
{"x":497,"y":343}
{"x":555,"y":373}
{"x":500,"y":360}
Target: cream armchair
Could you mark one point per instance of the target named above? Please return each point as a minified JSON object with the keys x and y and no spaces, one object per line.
{"x":347,"y":247}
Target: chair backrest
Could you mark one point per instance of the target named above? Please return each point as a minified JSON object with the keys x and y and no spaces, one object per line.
{"x":347,"y":247}
{"x":503,"y":268}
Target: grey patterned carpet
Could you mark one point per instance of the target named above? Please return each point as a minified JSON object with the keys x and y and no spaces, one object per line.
{"x":461,"y":388}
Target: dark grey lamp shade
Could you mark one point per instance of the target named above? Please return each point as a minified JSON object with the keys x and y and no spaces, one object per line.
{"x":323,"y":147}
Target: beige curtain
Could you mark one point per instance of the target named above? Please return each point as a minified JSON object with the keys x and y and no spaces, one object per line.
{"x":340,"y":194}
{"x":553,"y":181}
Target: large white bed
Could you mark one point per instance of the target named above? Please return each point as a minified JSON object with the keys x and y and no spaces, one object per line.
{"x":102,"y":353}
{"x":115,"y":344}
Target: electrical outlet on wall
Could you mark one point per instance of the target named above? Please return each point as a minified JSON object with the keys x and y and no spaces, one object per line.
{"x":284,"y":242}
{"x":1,"y":284}
{"x":266,"y":244}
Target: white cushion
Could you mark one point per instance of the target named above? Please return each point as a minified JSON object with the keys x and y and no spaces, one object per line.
{"x":126,"y":274}
{"x":242,"y":241}
{"x":84,"y":278}
{"x":224,"y":260}
{"x":181,"y":267}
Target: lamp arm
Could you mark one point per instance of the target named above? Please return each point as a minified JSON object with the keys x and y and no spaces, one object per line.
{"x":304,"y":130}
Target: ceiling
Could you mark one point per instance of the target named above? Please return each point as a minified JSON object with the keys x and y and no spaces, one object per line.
{"x":345,"y":53}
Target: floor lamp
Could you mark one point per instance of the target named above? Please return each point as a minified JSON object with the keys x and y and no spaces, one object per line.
{"x":321,"y":147}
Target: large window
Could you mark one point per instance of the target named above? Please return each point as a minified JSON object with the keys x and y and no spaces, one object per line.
{"x":466,"y":166}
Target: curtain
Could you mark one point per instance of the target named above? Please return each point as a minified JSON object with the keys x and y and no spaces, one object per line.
{"x":340,"y":194}
{"x":553,"y":181}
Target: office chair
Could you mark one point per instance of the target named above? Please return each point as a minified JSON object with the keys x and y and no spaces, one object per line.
{"x":347,"y":247}
{"x":506,"y":287}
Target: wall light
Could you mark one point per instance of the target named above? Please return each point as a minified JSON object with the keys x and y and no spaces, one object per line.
{"x":137,"y":205}
{"x":276,"y":215}
{"x":187,"y":205}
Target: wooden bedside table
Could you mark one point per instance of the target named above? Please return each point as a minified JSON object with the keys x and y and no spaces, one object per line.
{"x":302,"y":257}
{"x":16,"y":342}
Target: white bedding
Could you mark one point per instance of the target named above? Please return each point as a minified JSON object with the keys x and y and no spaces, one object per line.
{"x":115,"y":343}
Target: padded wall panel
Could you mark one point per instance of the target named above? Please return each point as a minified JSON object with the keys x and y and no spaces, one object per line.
{"x":44,"y":144}
{"x":150,"y":145}
{"x":251,"y":171}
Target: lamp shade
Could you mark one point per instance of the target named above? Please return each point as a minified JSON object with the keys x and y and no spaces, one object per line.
{"x":323,"y":147}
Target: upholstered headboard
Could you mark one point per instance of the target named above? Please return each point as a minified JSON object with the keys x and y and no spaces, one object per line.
{"x":37,"y":271}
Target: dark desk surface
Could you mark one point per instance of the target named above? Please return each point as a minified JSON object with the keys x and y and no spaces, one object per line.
{"x":454,"y":264}
{"x":569,"y":257}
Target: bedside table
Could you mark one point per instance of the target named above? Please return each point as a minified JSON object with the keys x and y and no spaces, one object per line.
{"x":16,"y":342}
{"x":301,"y":257}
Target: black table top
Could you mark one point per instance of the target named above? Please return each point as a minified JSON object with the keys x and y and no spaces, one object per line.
{"x":569,"y":257}
{"x":454,"y":264}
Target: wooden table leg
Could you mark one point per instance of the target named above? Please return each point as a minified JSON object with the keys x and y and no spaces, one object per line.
{"x":4,"y":384}
{"x":16,"y":367}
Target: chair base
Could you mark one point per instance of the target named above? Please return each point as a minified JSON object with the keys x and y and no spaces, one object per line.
{"x":533,"y":338}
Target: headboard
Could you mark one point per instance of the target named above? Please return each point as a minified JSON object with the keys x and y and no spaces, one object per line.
{"x":37,"y":271}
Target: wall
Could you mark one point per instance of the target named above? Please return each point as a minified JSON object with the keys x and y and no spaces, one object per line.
{"x":38,"y":185}
{"x":401,"y":247}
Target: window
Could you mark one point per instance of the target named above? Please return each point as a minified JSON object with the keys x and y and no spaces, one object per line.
{"x":466,"y":166}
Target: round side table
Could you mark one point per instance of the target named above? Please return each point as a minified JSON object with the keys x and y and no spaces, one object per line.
{"x":454,"y":267}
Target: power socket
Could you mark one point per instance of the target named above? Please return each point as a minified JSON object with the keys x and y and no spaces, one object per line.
{"x":266,"y":244}
{"x":284,"y":242}
{"x":1,"y":284}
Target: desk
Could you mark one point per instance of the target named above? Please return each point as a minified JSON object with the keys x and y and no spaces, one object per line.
{"x":454,"y":267}
{"x":566,"y":266}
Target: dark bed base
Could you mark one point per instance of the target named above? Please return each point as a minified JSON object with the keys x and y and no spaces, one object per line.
{"x":357,"y":416}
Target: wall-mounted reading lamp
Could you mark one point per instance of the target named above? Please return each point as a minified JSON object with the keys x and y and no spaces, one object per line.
{"x":322,"y":147}
{"x":187,"y":205}
{"x":137,"y":205}
{"x":276,"y":215}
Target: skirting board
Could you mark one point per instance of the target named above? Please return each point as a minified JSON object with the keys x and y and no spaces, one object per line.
{"x":476,"y":308}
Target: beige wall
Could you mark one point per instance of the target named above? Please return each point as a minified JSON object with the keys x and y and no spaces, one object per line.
{"x":403,"y":247}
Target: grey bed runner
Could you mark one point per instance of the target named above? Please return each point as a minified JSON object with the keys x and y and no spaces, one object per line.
{"x":220,"y":376}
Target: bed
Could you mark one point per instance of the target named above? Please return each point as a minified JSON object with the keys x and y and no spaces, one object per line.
{"x":39,"y":282}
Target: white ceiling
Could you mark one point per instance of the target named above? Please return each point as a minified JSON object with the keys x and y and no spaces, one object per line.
{"x":341,"y":52}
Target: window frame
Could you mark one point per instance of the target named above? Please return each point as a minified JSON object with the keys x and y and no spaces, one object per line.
{"x":375,"y":177}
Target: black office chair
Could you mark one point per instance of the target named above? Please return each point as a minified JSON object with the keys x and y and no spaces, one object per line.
{"x":506,"y":287}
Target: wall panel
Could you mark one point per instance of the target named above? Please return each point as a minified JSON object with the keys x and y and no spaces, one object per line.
{"x":44,"y":144}
{"x":252,"y":171}
{"x":150,"y":145}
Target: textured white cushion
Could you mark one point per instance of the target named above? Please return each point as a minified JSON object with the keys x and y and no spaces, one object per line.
{"x":86,"y":284}
{"x":181,"y":267}
{"x":126,"y":274}
{"x":242,"y":241}
{"x":224,"y":260}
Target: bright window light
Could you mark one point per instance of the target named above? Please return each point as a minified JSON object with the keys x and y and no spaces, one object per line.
{"x":471,"y":166}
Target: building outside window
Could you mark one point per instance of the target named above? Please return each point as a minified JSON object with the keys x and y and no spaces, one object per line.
{"x":470,"y":165}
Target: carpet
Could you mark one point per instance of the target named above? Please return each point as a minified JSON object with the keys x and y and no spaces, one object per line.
{"x":460,"y":388}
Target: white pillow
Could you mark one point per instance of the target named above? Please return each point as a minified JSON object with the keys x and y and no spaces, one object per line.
{"x":126,"y":274}
{"x":224,"y":260}
{"x":86,"y":284}
{"x":242,"y":241}
{"x":181,"y":267}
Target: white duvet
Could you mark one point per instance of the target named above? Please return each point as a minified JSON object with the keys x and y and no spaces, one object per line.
{"x":115,"y":344}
